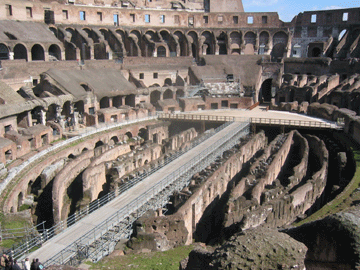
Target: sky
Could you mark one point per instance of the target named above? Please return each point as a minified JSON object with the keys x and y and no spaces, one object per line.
{"x":288,"y":9}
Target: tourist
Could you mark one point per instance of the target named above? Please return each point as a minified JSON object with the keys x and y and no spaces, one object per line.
{"x":15,"y":266}
{"x":33,"y":265}
{"x":4,"y":261}
{"x":38,"y":265}
{"x":27,"y":264}
{"x":9,"y":263}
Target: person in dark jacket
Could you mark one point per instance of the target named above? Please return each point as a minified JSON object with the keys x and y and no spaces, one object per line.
{"x":33,"y":266}
{"x":15,"y":266}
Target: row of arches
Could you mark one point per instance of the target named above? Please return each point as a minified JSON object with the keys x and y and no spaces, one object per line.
{"x":105,"y":43}
{"x":35,"y":53}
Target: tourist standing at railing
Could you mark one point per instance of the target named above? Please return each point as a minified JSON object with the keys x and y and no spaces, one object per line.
{"x":33,"y":265}
{"x":27,"y":264}
{"x":15,"y":266}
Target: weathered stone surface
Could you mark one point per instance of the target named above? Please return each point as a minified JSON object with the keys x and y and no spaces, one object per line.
{"x":260,"y":248}
{"x":333,"y":241}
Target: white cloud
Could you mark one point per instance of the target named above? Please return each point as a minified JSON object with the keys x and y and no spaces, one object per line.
{"x":259,"y":3}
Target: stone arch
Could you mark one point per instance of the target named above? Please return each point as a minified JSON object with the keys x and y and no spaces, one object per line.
{"x":70,"y":51}
{"x":193,"y":41}
{"x":128,"y":135}
{"x":84,"y":150}
{"x":183,"y":45}
{"x":114,"y":140}
{"x":66,"y":109}
{"x":168,"y":94}
{"x":150,"y":39}
{"x":79,"y":106}
{"x":168,"y":82}
{"x":9,"y":155}
{"x":99,"y":143}
{"x":20,"y":52}
{"x":4,"y":52}
{"x":315,"y":49}
{"x":222,"y":41}
{"x":51,"y":112}
{"x":161,"y":51}
{"x":117,"y":101}
{"x":155,"y":96}
{"x":71,"y":156}
{"x":280,"y":37}
{"x":20,"y":200}
{"x":235,"y":43}
{"x":264,"y":38}
{"x":250,"y":42}
{"x":91,"y":34}
{"x":130,"y":100}
{"x":37,"y":53}
{"x":54,"y":30}
{"x":265,"y":91}
{"x":104,"y":102}
{"x":208,"y":41}
{"x":55,"y":52}
{"x":170,"y":41}
{"x":277,"y":52}
{"x":143,"y":133}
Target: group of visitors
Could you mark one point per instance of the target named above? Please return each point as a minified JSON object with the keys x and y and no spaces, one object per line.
{"x":8,"y":263}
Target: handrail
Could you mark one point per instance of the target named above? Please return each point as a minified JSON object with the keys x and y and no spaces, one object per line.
{"x":253,"y":120}
{"x":138,"y":202}
{"x":46,"y":234}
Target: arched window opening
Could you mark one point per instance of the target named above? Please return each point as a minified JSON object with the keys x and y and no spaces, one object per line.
{"x":37,"y":53}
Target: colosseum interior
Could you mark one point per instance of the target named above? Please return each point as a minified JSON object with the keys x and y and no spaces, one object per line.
{"x":91,"y":94}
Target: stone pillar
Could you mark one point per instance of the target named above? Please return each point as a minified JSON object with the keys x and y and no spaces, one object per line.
{"x":110,"y":102}
{"x":257,"y":44}
{"x":29,"y":118}
{"x":92,"y":52}
{"x":11,"y":55}
{"x":123,"y":100}
{"x":202,"y":127}
{"x":46,"y":56}
{"x":43,"y":117}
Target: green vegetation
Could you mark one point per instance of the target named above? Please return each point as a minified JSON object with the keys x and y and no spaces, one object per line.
{"x":168,"y":260}
{"x":346,"y":198}
{"x":13,"y":222}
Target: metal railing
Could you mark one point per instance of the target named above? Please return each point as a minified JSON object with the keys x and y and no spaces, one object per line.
{"x":46,"y":234}
{"x":15,"y":171}
{"x":253,"y":120}
{"x":135,"y":208}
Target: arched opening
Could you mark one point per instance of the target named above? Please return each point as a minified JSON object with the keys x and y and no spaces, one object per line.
{"x":168,"y":82}
{"x":75,"y":194}
{"x":4,"y":52}
{"x":179,"y":81}
{"x":183,"y":46}
{"x":235,"y":43}
{"x":168,"y":94}
{"x":36,"y":115}
{"x":130,"y":100}
{"x":277,"y":52}
{"x":99,"y":144}
{"x":20,"y":52}
{"x":208,"y":43}
{"x":143,"y":133}
{"x":54,"y":52}
{"x":37,"y":53}
{"x":265,"y":91}
{"x":8,"y":155}
{"x":161,"y":51}
{"x":84,"y":150}
{"x":222,"y":42}
{"x":70,"y":51}
{"x":79,"y":107}
{"x":155,"y":97}
{"x":71,"y":156}
{"x":117,"y":101}
{"x":250,"y":42}
{"x":114,"y":140}
{"x":51,"y":112}
{"x":128,"y":135}
{"x":104,"y":103}
{"x":44,"y":205}
{"x":66,"y":109}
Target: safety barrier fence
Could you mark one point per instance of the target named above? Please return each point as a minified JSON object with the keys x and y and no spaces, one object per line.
{"x":44,"y":235}
{"x":177,"y":180}
{"x":253,"y":120}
